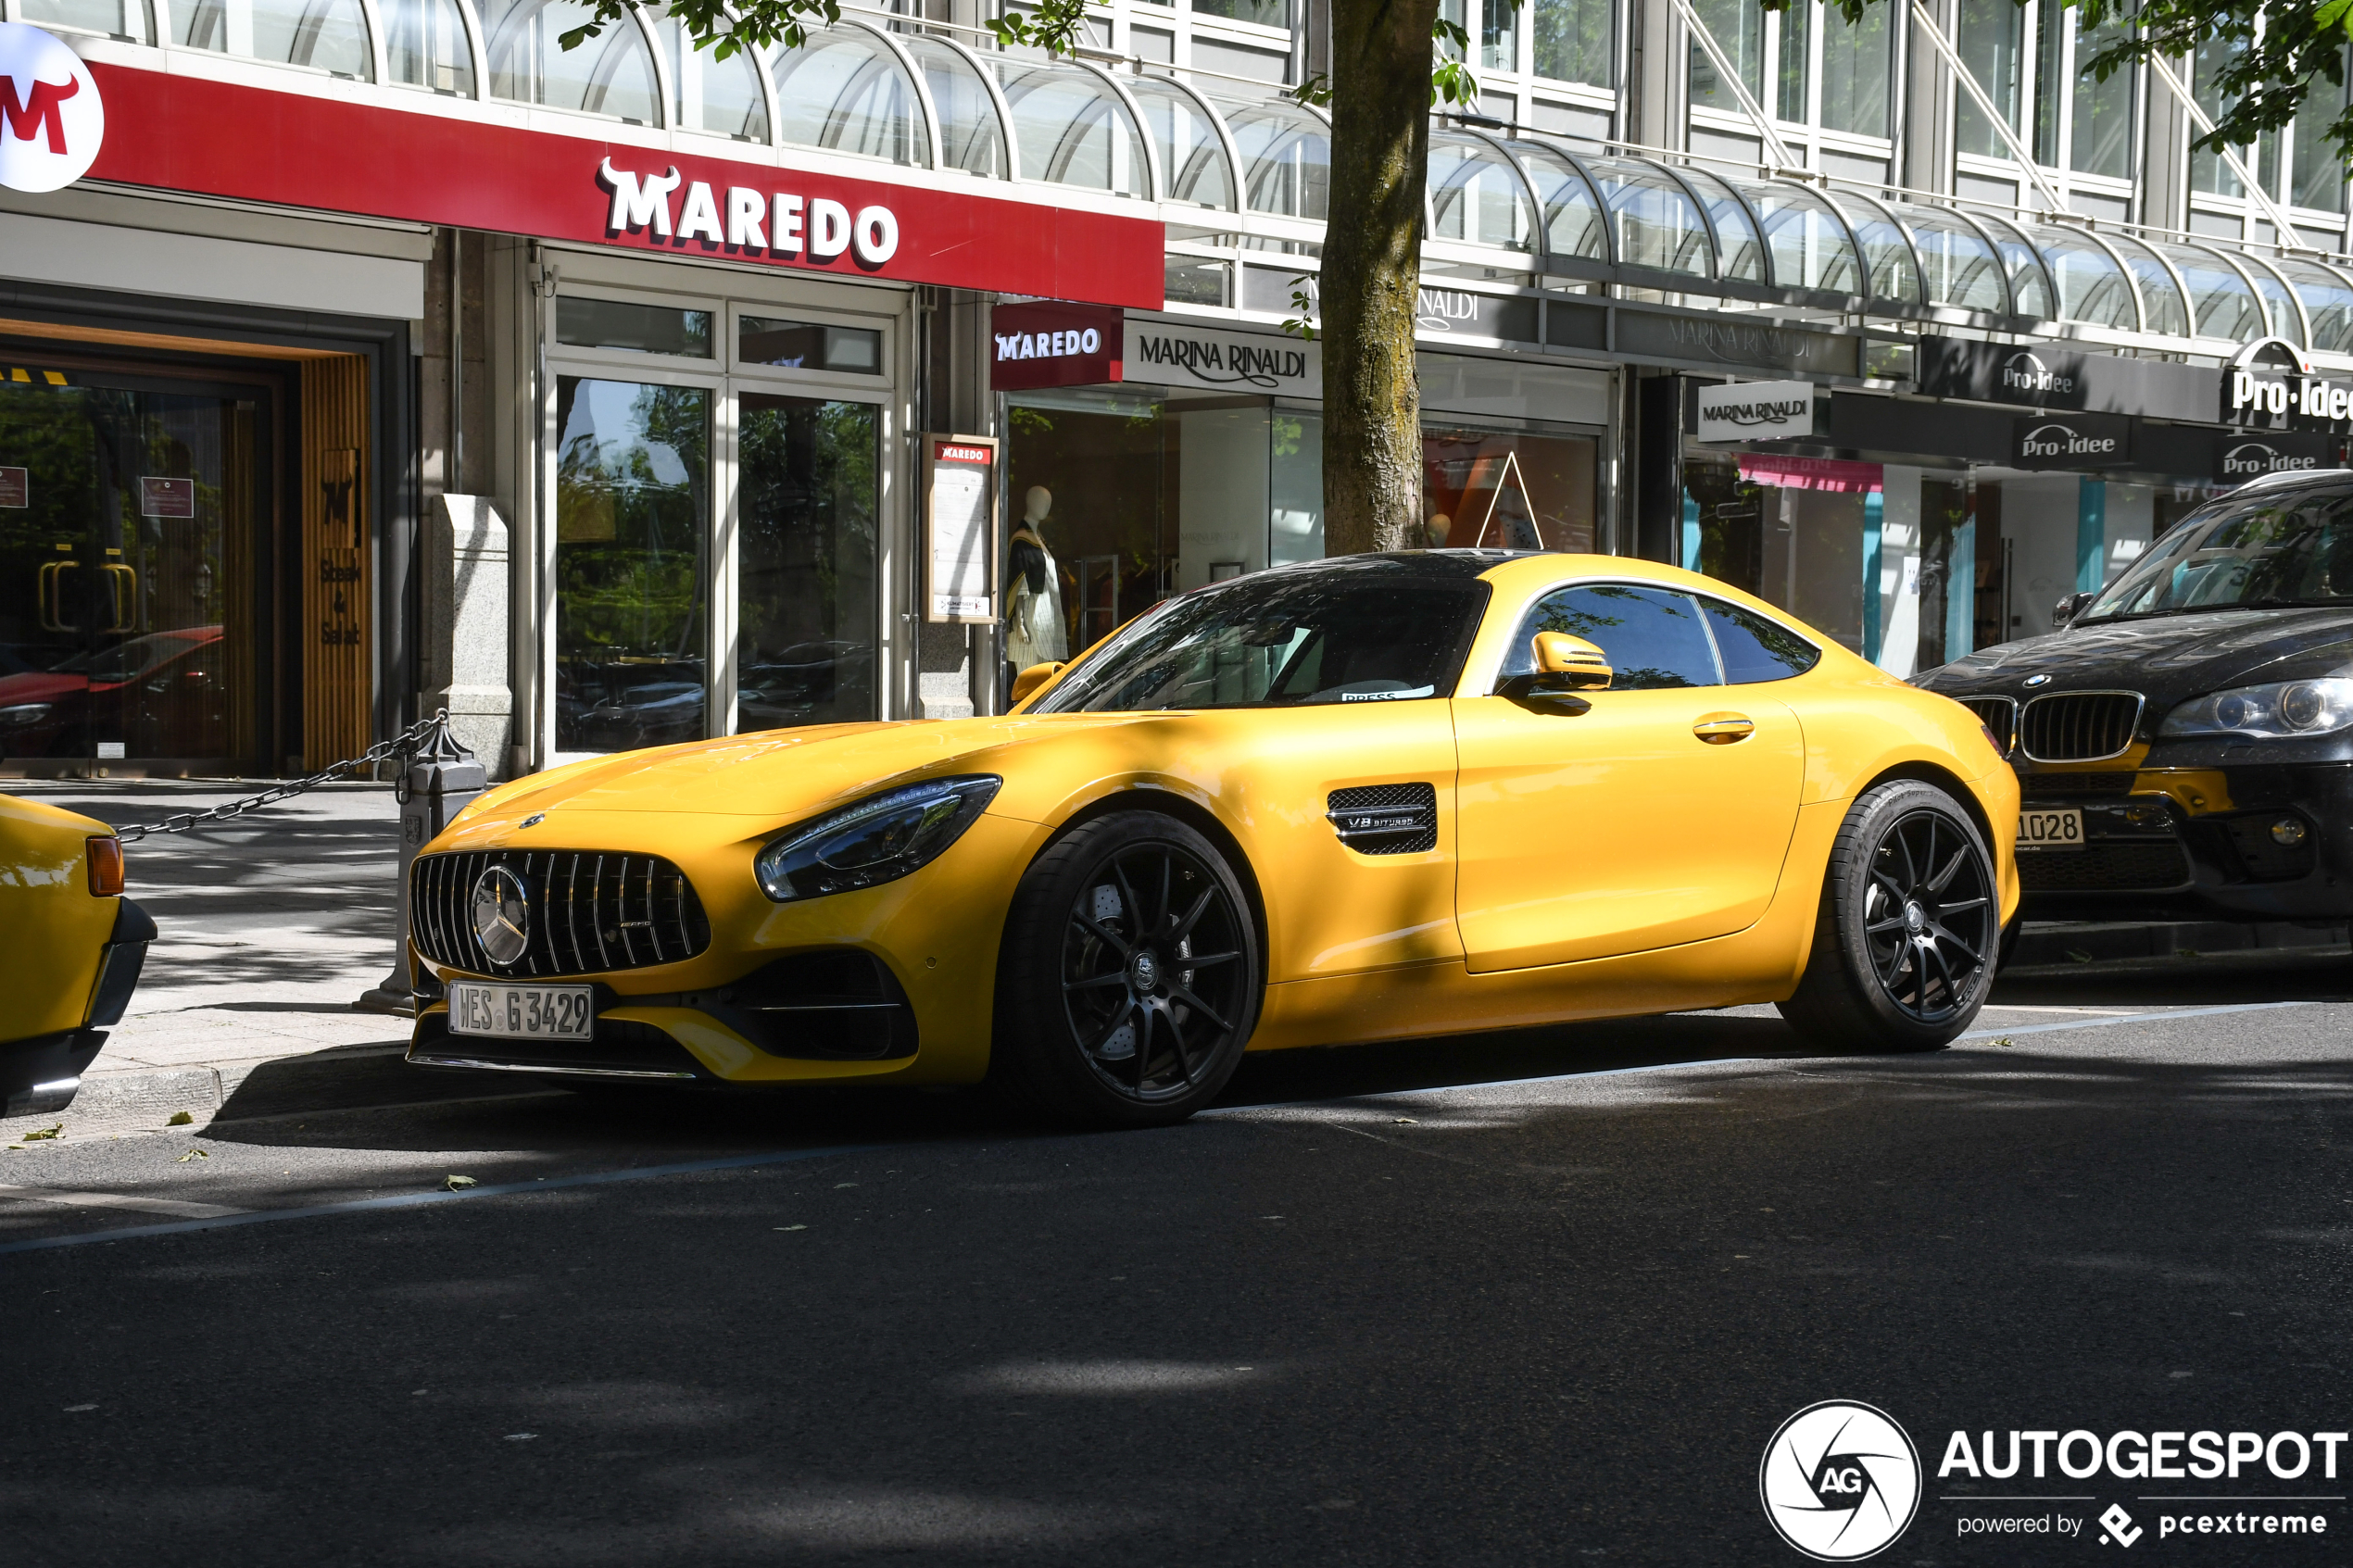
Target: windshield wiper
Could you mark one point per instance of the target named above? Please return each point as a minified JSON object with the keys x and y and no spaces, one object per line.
{"x":2337,"y":599}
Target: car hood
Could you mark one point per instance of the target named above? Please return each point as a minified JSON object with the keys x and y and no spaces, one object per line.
{"x":779,"y":775}
{"x":16,"y":691}
{"x":2169,"y":658}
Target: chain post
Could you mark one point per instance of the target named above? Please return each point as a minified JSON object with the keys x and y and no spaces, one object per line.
{"x":438,"y":779}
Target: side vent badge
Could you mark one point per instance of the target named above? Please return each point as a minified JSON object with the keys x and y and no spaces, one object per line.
{"x":1385,"y":819}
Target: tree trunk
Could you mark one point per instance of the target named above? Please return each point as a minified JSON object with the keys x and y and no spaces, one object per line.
{"x":1372,"y":270}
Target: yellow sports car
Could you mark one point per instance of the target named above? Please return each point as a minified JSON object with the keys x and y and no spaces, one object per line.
{"x":71,"y":946}
{"x":1355,"y":799}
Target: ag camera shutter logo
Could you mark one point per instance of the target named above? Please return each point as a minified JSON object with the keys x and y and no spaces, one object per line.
{"x":1840,"y":1481}
{"x":51,"y":119}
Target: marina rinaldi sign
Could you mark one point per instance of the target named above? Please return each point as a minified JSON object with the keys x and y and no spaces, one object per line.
{"x":52,"y":118}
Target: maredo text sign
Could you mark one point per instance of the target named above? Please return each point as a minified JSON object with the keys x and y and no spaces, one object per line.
{"x":1051,"y":343}
{"x":292,"y":148}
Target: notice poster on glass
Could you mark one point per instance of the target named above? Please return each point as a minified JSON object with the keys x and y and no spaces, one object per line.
{"x":960,"y":528}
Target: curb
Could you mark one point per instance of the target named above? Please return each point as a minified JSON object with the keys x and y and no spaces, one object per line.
{"x":2062,"y":947}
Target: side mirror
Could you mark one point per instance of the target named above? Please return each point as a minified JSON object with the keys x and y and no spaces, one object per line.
{"x":1032,"y":678}
{"x":2069,"y":608}
{"x":1570,"y":664}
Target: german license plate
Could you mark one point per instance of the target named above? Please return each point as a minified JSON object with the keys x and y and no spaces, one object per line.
{"x":521,"y":1012}
{"x":2059,"y":829}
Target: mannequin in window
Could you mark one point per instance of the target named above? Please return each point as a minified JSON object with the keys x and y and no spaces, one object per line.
{"x":1034,"y":627}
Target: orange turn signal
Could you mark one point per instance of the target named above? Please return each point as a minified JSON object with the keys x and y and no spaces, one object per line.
{"x":105,"y":867}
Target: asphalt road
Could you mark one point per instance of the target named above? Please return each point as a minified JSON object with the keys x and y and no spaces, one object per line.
{"x":1539,"y":1298}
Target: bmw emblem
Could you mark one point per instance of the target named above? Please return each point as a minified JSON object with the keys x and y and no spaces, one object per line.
{"x":501,"y":915}
{"x":2038,"y":679}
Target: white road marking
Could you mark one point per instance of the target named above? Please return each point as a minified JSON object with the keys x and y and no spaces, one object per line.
{"x":2108,"y":1013}
{"x":172,"y":1206}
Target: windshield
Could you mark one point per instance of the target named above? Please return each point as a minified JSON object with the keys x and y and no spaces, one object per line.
{"x":1364,"y":631}
{"x":2273,"y":548}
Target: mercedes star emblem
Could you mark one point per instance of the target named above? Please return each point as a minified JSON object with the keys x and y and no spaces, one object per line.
{"x":502,"y":914}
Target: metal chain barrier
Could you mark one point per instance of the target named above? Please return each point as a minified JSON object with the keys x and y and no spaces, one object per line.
{"x":403,"y":745}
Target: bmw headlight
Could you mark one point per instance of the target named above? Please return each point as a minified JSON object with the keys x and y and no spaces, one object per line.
{"x":24,"y":713}
{"x":2285,"y":711}
{"x":876,"y":840}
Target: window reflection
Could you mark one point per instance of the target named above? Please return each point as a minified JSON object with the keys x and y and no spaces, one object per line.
{"x":806,"y":590}
{"x":329,"y":35}
{"x":425,"y":46}
{"x":610,"y":74}
{"x":632,"y":500}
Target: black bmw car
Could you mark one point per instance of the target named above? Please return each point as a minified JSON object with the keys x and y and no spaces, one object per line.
{"x":2185,"y":740}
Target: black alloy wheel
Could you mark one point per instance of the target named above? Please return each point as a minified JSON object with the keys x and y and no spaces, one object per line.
{"x":1129,"y":982}
{"x":1909,"y":930}
{"x":1929,"y":916}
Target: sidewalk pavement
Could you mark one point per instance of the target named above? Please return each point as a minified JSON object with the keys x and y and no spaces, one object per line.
{"x":270,"y":926}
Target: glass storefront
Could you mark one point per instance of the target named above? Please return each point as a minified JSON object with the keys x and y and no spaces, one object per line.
{"x":1140,"y":492}
{"x":727,"y":498}
{"x":632,"y":465}
{"x":1913,"y":566}
{"x":128,"y":516}
{"x":805,"y":584}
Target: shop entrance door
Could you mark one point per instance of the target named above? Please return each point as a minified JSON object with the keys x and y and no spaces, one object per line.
{"x":128,"y":517}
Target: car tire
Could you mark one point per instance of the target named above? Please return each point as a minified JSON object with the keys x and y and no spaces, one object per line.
{"x":1906,"y":944}
{"x":1129,"y":980}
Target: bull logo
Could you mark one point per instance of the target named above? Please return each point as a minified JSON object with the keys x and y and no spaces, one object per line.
{"x":51,"y":119}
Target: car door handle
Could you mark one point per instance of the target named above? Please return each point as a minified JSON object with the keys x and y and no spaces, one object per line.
{"x":1723,"y":729}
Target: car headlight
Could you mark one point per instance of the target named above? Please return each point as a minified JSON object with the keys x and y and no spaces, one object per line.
{"x":2284,"y":710}
{"x":24,"y":713}
{"x":874,"y":841}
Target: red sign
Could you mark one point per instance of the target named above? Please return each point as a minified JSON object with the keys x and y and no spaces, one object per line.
{"x":291,"y":148}
{"x":16,"y":488}
{"x":1051,"y":344}
{"x":167,"y":497}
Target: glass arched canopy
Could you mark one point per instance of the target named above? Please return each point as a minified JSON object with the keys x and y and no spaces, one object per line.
{"x":611,"y":74}
{"x":1573,"y":228}
{"x":1960,"y":268}
{"x":2327,"y":295}
{"x":1475,"y":196}
{"x":1287,"y":156}
{"x":1071,"y":128}
{"x":887,"y":91}
{"x":1653,"y":222}
{"x":847,"y":91}
{"x":325,"y":35}
{"x":1893,"y":270}
{"x":1195,"y":163}
{"x":2163,"y":308}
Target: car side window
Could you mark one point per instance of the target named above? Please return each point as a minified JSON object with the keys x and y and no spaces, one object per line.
{"x":1651,"y":636}
{"x":1754,"y":650}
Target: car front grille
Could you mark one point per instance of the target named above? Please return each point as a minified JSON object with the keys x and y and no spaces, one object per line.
{"x":1999,"y":715}
{"x":2079,"y":726}
{"x":590,"y":913}
{"x":2118,"y":867}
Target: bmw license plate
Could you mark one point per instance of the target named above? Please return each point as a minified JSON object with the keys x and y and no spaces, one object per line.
{"x":2050,"y":829}
{"x":521,"y":1012}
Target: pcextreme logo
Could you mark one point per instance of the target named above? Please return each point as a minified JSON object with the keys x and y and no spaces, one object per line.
{"x":1839,"y":1481}
{"x":51,"y":119}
